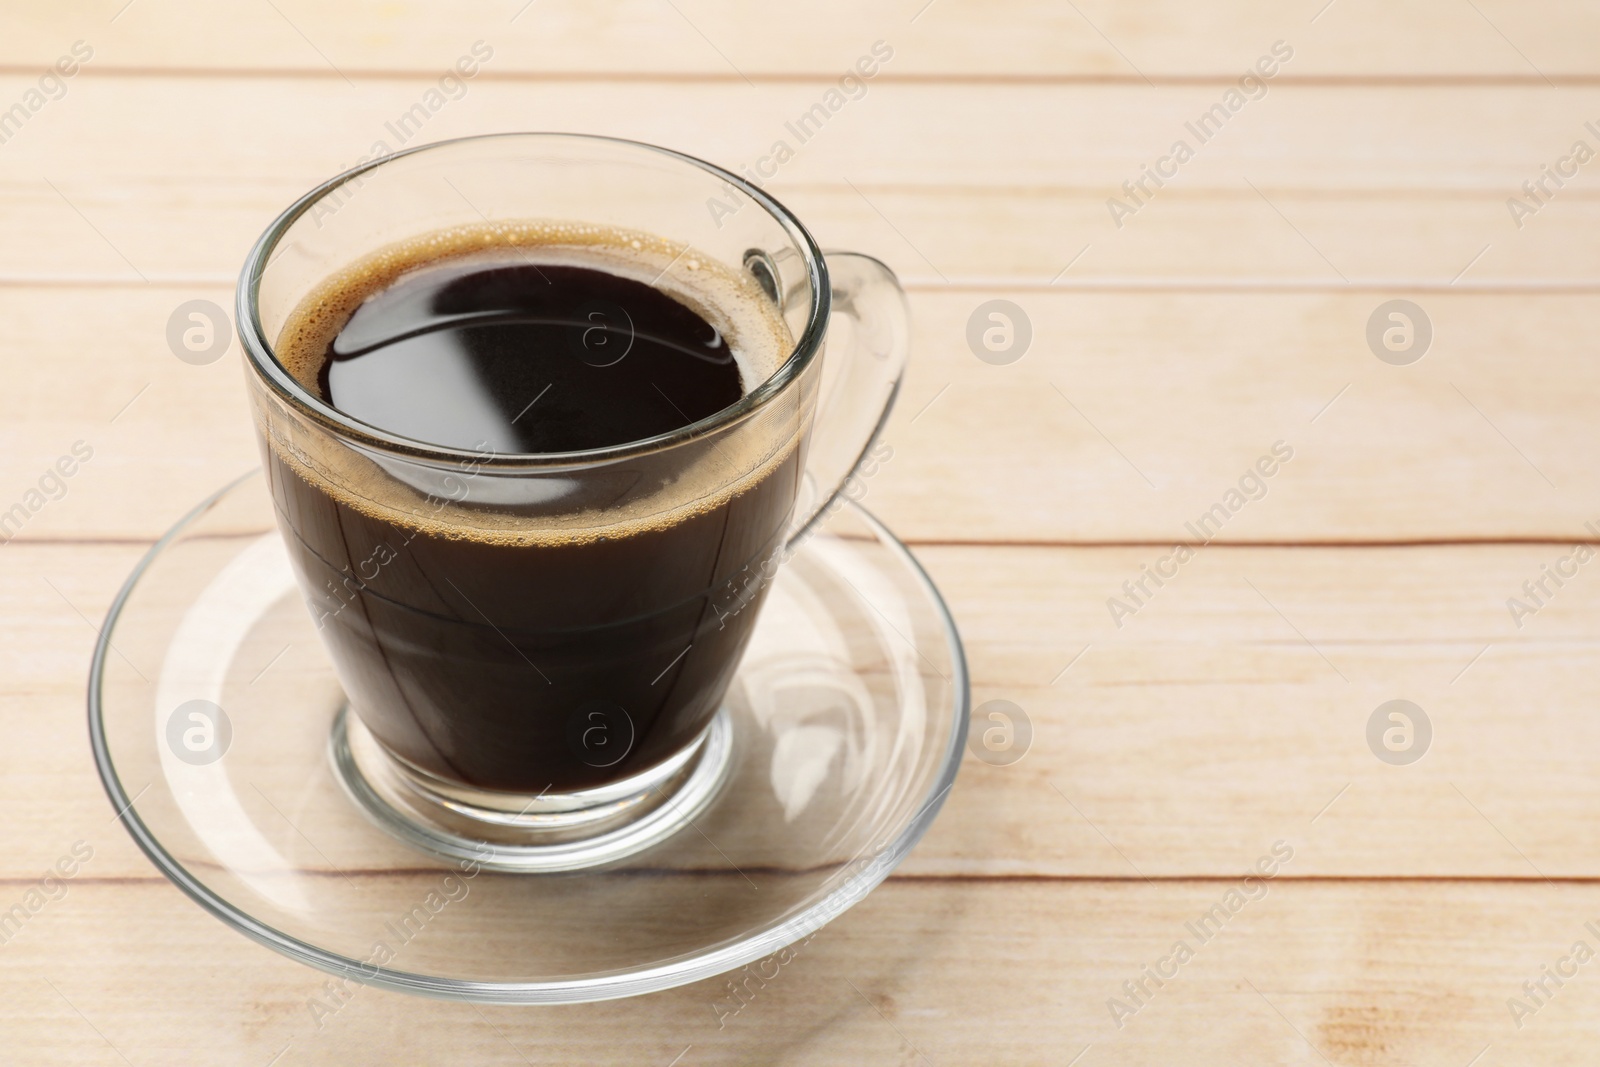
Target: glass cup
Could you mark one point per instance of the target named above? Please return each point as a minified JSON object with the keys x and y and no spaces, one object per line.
{"x":536,"y":647}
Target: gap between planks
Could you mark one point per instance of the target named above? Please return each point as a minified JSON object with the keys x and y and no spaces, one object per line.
{"x":917,"y":284}
{"x":911,"y":878}
{"x":944,"y":542}
{"x":954,"y":78}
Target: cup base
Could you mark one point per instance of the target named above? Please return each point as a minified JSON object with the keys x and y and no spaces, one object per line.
{"x":533,"y":832}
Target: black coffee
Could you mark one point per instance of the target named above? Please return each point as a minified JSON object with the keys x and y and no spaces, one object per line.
{"x":525,"y":358}
{"x":499,"y":650}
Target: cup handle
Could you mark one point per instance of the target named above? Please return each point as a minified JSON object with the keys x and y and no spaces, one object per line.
{"x":868,"y":340}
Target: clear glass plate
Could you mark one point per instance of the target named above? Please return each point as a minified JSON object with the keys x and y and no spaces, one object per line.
{"x":848,"y":720}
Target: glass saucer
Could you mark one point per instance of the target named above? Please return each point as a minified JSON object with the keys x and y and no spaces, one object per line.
{"x":211,"y":712}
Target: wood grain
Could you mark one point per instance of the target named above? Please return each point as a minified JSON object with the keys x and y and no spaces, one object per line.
{"x":1013,"y":39}
{"x":1205,"y":722}
{"x":1223,"y":237}
{"x":921,"y":972}
{"x":1120,"y":424}
{"x":1486,"y":137}
{"x":1229,"y":312}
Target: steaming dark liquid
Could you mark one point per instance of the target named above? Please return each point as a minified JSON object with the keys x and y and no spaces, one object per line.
{"x":519,"y":661}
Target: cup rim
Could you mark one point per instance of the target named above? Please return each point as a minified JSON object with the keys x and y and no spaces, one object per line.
{"x":259,"y":351}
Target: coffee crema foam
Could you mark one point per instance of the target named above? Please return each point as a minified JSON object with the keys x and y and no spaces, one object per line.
{"x":732,"y":301}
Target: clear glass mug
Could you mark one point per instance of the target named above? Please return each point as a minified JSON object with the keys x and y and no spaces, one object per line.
{"x":557,"y":704}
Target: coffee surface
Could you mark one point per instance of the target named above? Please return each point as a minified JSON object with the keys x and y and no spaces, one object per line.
{"x":505,"y":354}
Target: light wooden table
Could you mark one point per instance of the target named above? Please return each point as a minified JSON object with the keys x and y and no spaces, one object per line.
{"x":1229,"y":312}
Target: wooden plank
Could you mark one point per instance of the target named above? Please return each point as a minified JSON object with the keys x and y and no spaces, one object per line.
{"x":936,"y":972}
{"x":1141,"y":411}
{"x":1059,"y":237}
{"x":715,"y":38}
{"x":1186,"y":389}
{"x":1231,"y":707}
{"x":1490,"y":137}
